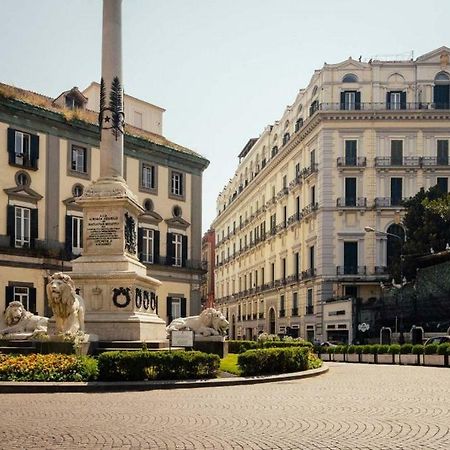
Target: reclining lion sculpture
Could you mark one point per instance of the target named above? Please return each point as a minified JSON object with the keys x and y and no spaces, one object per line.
{"x":210,"y":322}
{"x":19,"y":321}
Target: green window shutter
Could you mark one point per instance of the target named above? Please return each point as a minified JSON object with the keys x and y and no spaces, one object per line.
{"x":184,"y":250}
{"x":169,"y":309}
{"x":342,"y":100}
{"x":181,"y":183}
{"x":388,"y":100}
{"x":32,"y":302}
{"x":33,"y":227}
{"x":68,"y":242}
{"x":156,"y":241}
{"x":402,"y":100}
{"x":140,"y":242}
{"x":11,"y":225}
{"x":183,"y":307}
{"x":9,"y":295}
{"x":357,"y":100}
{"x":169,"y":249}
{"x":11,"y":145}
{"x":34,"y":153}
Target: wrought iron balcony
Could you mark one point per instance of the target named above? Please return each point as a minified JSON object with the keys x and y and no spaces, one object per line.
{"x":295,"y":311}
{"x":282,"y":313}
{"x":309,"y":273}
{"x":309,"y":309}
{"x":284,"y":191}
{"x":381,"y":270}
{"x":307,"y":171}
{"x":309,"y":209}
{"x":281,"y":226}
{"x":345,"y":161}
{"x":351,"y":270}
{"x":387,"y":202}
{"x":381,"y":106}
{"x":294,"y":218}
{"x":296,"y":181}
{"x":433,"y":161}
{"x":261,"y":315}
{"x":406,"y":161}
{"x":351,"y":202}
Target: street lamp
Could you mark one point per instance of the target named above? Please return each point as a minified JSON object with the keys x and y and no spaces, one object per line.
{"x":369,"y":229}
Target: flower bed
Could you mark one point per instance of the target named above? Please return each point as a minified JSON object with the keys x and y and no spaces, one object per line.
{"x":51,"y":367}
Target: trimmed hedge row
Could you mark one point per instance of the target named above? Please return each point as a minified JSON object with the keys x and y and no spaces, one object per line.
{"x":145,"y":365}
{"x":237,"y":346}
{"x":50,"y":367}
{"x":394,"y":349}
{"x":276,"y":360}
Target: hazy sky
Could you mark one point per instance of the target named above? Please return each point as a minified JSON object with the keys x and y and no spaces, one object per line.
{"x":223,"y":69}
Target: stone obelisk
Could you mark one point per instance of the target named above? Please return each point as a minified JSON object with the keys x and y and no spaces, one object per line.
{"x":121,"y":301}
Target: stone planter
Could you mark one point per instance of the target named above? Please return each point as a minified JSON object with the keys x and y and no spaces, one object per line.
{"x":352,"y":357}
{"x":434,"y":360}
{"x":367,"y":358}
{"x":410,"y":359}
{"x":339,"y":357}
{"x":329,"y":357}
{"x":385,"y":358}
{"x":396,"y":359}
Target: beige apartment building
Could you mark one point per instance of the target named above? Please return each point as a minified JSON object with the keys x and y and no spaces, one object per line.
{"x":49,"y":152}
{"x":291,"y":251}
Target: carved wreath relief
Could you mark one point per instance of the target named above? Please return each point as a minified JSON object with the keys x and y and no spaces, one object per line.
{"x":142,"y":298}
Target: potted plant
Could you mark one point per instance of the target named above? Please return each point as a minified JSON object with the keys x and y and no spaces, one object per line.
{"x":406,"y":356}
{"x":352,"y":354}
{"x":339,"y":354}
{"x":383,"y":356}
{"x":367,"y":356}
{"x":394,"y":350}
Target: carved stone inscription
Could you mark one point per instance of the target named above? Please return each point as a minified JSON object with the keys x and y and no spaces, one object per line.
{"x":103,"y":229}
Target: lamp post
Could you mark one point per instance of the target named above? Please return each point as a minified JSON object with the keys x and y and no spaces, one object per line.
{"x":368,"y":229}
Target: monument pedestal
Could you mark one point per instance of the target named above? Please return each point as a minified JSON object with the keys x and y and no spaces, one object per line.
{"x":212,"y":344}
{"x":120,"y":299}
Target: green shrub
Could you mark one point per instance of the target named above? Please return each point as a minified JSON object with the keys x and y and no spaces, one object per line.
{"x":50,"y":367}
{"x":331,"y":350}
{"x":338,"y":349}
{"x":383,"y":349}
{"x":359,"y":349}
{"x":367,"y":349}
{"x":430,"y":349}
{"x":351,"y":349}
{"x":273,"y":360}
{"x":374,"y":349}
{"x":417,"y":349}
{"x":443,"y":349}
{"x":163,"y":365}
{"x":406,"y":349}
{"x":284,"y":344}
{"x":237,"y":346}
{"x":394,"y":349}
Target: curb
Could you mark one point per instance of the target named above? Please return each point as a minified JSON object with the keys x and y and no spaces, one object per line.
{"x":36,"y":387}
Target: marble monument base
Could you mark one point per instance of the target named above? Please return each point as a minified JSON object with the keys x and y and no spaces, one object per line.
{"x":86,"y":344}
{"x":211,"y":344}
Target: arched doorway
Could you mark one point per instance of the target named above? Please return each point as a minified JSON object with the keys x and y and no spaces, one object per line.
{"x":441,"y":94}
{"x":272,"y":322}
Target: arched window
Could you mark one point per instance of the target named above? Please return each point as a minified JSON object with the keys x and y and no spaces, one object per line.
{"x":441,"y":94}
{"x":442,"y":78}
{"x":394,"y":245}
{"x":314,"y":92}
{"x":350,"y":78}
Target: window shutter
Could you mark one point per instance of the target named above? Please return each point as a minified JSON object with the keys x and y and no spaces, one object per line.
{"x":169,"y":309}
{"x":181,"y":183}
{"x":33,"y":227}
{"x":169,"y":250}
{"x":11,"y":226}
{"x":184,"y":250}
{"x":85,"y":161}
{"x":34,"y":154}
{"x":342,"y":100}
{"x":357,"y":100}
{"x":388,"y":100}
{"x":140,"y":242}
{"x":183,"y":307}
{"x":68,"y":243}
{"x":156,"y":240}
{"x":403,"y":100}
{"x":32,"y":301}
{"x":11,"y":145}
{"x":9,"y":295}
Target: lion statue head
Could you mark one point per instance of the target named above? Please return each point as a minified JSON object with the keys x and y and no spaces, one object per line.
{"x":213,"y":318}
{"x":14,"y":313}
{"x":61,"y":294}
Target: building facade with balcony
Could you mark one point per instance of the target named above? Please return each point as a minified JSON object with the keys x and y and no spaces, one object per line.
{"x":49,"y":152}
{"x":290,"y":241}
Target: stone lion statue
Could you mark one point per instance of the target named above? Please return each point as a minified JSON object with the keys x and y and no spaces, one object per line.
{"x":21,"y":321}
{"x":210,"y":322}
{"x":66,"y":304}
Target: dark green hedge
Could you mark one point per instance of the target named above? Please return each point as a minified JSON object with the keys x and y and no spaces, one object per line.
{"x":158,"y":365}
{"x":273,"y":360}
{"x":237,"y":346}
{"x":394,"y":349}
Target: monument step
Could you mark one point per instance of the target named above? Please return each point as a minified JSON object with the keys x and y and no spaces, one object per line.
{"x":136,"y":345}
{"x":19,"y":350}
{"x":17,"y":343}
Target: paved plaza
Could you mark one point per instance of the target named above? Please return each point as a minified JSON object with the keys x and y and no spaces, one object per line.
{"x":351,"y":407}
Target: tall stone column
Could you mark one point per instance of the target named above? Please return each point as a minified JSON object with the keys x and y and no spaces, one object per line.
{"x":121,"y":300}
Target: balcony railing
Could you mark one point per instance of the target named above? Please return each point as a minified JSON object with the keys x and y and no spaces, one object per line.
{"x":309,"y":273}
{"x":351,"y":202}
{"x":294,"y":218}
{"x":386,"y":202}
{"x":345,"y":161}
{"x":309,"y":309}
{"x":406,"y":161}
{"x":284,"y":191}
{"x":307,"y":171}
{"x":261,"y":315}
{"x":309,"y":209}
{"x":351,"y":270}
{"x":294,"y":311}
{"x":427,"y":161}
{"x":296,"y":181}
{"x":282,"y":313}
{"x":381,"y":270}
{"x":382,"y":106}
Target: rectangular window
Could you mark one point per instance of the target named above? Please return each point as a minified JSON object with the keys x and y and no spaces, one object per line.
{"x":77,"y":235}
{"x":148,"y":176}
{"x":396,"y":191}
{"x":22,"y":295}
{"x":283,"y":268}
{"x":175,"y":312}
{"x":148,"y":239}
{"x":312,"y":158}
{"x":22,"y":148}
{"x":297,"y":263}
{"x":442,"y":152}
{"x":22,"y":224}
{"x":349,"y":100}
{"x":313,"y":195}
{"x":309,"y":302}
{"x":395,"y":100}
{"x":350,"y":191}
{"x":272,"y":270}
{"x":297,"y":169}
{"x":78,"y":159}
{"x":442,"y":184}
{"x":311,"y":257}
{"x":396,"y":152}
{"x":295,"y":300}
{"x":178,"y":249}
{"x":350,"y":153}
{"x":177,"y":183}
{"x":350,"y":258}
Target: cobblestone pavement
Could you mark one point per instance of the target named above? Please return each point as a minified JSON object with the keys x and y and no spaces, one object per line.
{"x":352,"y":407}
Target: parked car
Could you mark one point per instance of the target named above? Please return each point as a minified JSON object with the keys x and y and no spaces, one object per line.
{"x":438,"y":340}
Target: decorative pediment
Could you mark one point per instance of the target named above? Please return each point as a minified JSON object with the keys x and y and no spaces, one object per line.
{"x":72,"y":204}
{"x":441,"y":55}
{"x":349,"y":64}
{"x":177,"y":222}
{"x":23,"y":193}
{"x":150,"y":217}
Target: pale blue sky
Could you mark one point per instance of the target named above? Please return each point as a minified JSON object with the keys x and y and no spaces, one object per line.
{"x":223,"y":69}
